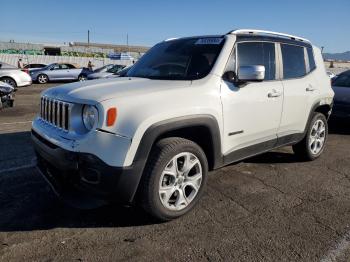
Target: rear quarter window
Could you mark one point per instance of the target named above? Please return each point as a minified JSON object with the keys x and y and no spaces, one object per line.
{"x":310,"y":54}
{"x":293,"y":61}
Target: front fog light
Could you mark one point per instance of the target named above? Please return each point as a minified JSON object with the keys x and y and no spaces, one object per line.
{"x":89,"y":116}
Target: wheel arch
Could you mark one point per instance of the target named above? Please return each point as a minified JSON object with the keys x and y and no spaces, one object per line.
{"x":324,"y":109}
{"x":320,"y":107}
{"x":201,"y":129}
{"x":185,"y":127}
{"x":3,"y":77}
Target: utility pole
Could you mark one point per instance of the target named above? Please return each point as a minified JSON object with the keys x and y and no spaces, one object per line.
{"x":88,"y":37}
{"x":127,"y":41}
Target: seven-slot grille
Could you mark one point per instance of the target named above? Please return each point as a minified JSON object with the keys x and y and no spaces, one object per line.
{"x":55,"y":112}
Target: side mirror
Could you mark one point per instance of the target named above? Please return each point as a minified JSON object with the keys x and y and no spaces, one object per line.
{"x":251,"y":73}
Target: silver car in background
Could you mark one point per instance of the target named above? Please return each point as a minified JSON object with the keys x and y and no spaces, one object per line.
{"x":31,"y":67}
{"x":14,"y":76}
{"x":105,"y":74}
{"x":58,"y":72}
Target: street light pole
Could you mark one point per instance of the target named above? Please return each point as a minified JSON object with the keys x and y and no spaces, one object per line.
{"x":127,"y":41}
{"x":88,"y":38}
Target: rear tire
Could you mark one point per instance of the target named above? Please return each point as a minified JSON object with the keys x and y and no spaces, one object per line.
{"x":10,"y":81}
{"x":174,"y":178}
{"x":313,"y":144}
{"x":43,"y":79}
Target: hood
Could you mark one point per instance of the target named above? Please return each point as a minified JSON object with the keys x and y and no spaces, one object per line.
{"x":99,"y":90}
{"x":5,"y":89}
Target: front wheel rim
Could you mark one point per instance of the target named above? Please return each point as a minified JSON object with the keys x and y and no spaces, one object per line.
{"x":317,"y":137}
{"x":180,"y":181}
{"x":42,"y":79}
{"x":9,"y":81}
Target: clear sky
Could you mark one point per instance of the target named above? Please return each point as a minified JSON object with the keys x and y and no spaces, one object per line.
{"x":326,"y":23}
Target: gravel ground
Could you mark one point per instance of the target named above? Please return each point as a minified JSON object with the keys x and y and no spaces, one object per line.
{"x":267,"y":208}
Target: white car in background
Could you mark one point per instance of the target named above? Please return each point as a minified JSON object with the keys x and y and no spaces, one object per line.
{"x":331,"y":75}
{"x":14,"y":76}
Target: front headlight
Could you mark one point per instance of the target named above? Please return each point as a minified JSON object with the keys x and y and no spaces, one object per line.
{"x":90,"y":116}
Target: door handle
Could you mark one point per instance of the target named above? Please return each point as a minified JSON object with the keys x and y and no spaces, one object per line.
{"x":274,"y":93}
{"x":310,"y":88}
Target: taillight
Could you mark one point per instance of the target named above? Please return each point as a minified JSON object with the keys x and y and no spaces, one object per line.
{"x":26,"y":70}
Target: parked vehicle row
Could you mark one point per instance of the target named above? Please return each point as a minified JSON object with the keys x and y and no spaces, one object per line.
{"x":59,"y":72}
{"x":41,"y":73}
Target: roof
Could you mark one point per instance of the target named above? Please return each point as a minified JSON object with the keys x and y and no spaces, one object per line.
{"x":268,"y":33}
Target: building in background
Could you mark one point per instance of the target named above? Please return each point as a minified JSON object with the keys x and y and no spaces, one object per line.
{"x":75,"y":49}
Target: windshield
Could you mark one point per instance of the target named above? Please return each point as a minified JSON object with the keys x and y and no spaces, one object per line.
{"x":182,"y":59}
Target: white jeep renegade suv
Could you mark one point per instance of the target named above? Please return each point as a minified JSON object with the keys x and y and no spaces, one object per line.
{"x":188,"y":106}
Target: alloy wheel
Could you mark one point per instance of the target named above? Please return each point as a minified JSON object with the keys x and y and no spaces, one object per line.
{"x":42,"y":79}
{"x":180,"y":181}
{"x":9,"y":81}
{"x":317,"y":137}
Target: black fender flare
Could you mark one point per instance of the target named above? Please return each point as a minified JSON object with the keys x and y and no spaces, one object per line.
{"x":131,"y":180}
{"x":317,"y":104}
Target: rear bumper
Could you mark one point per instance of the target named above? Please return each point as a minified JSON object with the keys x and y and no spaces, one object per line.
{"x":24,"y":83}
{"x":83,"y":180}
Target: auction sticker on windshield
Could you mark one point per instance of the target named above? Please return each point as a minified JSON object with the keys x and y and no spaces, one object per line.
{"x":209,"y":41}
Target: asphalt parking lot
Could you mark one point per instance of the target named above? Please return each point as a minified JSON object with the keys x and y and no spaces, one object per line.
{"x":268,"y":208}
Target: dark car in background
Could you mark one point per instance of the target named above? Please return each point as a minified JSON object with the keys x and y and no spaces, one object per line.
{"x":7,"y":95}
{"x":31,"y":67}
{"x":121,"y":73}
{"x":341,"y":87}
{"x":59,"y":72}
{"x":114,"y":70}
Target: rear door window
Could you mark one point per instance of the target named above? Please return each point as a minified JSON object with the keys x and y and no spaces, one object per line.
{"x":64,"y":66}
{"x":293,"y":61}
{"x":258,"y":53}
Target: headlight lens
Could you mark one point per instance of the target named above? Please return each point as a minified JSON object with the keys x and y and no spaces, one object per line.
{"x":89,"y":116}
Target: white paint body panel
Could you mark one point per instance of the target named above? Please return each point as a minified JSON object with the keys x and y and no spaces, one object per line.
{"x":250,"y":110}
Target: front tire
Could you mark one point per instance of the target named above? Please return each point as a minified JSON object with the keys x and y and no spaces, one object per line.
{"x":313,"y":144}
{"x":174,"y":178}
{"x":43,"y":79}
{"x":10,"y":81}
